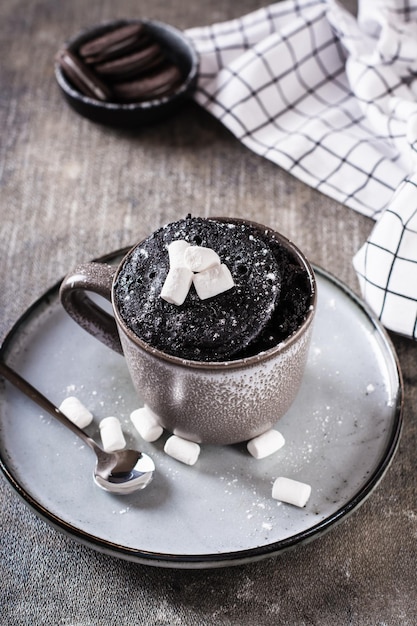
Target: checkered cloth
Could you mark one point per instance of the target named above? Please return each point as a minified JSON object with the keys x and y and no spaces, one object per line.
{"x":331,"y":98}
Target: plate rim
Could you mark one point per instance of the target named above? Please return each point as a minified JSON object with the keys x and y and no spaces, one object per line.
{"x":229,"y":558}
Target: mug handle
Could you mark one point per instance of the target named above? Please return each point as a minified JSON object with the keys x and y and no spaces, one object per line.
{"x":96,"y":278}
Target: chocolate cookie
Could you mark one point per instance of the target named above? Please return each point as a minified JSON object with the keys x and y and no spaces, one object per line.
{"x":86,"y":81}
{"x":218,"y":328}
{"x":151,"y":85}
{"x":132,"y":64}
{"x":114,"y":43}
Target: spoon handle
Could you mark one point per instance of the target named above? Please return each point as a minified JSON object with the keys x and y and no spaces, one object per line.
{"x":35,"y":395}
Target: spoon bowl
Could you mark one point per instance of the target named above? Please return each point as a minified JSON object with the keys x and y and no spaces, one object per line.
{"x":131,"y":471}
{"x":120,"y":472}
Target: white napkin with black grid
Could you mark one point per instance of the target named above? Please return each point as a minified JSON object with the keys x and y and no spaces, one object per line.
{"x":332,"y":98}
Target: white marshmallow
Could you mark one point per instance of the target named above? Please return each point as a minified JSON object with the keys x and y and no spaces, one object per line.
{"x":176,"y":250}
{"x":291,"y":491}
{"x":111,"y":434}
{"x":177,"y":285}
{"x":146,"y":423}
{"x":199,"y":258}
{"x":213,"y":281}
{"x":265,"y":444}
{"x":182,"y":450}
{"x":76,"y":412}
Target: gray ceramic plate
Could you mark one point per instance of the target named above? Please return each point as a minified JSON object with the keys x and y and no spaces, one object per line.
{"x":341,"y":434}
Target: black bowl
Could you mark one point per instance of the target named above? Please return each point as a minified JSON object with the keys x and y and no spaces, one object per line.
{"x":177,"y":48}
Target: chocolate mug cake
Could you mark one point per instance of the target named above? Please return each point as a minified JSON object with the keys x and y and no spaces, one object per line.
{"x":214,"y":318}
{"x":268,"y":301}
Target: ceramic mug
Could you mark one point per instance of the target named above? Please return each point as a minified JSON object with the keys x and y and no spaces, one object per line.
{"x":207,"y":402}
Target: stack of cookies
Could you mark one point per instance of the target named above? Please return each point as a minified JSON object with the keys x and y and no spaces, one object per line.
{"x":123,"y":65}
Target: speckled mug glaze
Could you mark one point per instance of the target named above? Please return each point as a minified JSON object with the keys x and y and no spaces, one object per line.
{"x":207,"y":402}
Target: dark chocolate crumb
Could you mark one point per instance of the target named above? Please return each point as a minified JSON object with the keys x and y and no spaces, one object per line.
{"x":211,"y":330}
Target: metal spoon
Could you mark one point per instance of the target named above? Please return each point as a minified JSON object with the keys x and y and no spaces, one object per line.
{"x":120,"y":472}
